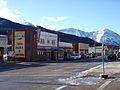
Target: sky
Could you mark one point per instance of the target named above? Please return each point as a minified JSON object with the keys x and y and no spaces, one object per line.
{"x":86,"y":15}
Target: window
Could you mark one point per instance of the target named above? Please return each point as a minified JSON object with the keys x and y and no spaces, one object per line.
{"x":48,"y":41}
{"x":53,"y":42}
{"x":39,"y":52}
{"x":42,"y":41}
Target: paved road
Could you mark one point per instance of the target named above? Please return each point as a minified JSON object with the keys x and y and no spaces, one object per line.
{"x":55,"y":76}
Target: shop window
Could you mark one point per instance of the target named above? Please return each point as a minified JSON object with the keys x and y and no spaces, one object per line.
{"x":40,"y":52}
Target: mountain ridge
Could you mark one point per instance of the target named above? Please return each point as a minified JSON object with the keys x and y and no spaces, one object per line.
{"x":105,"y":35}
{"x":9,"y":25}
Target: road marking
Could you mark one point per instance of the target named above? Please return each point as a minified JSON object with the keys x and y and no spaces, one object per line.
{"x":104,"y":85}
{"x":61,"y":87}
{"x":84,"y":73}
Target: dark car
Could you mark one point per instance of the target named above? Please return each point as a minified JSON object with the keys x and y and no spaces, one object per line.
{"x":112,"y":57}
{"x":118,"y":55}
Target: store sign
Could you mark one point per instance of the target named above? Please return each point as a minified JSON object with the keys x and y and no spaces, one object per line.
{"x":19,"y":44}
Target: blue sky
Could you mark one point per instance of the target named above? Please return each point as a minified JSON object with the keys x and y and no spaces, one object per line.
{"x":86,"y":15}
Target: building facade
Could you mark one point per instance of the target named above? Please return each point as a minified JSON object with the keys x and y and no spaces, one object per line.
{"x":80,"y":48}
{"x":23,"y":43}
{"x":65,"y":50}
{"x":107,"y":49}
{"x":3,"y":46}
{"x":47,"y":44}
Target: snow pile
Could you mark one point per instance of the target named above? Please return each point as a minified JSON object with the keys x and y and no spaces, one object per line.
{"x":80,"y":81}
{"x":81,"y":78}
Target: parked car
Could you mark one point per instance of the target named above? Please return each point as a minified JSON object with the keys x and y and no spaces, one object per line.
{"x":82,"y":55}
{"x":112,"y":57}
{"x":5,"y":56}
{"x":90,"y":55}
{"x":93,"y":55}
{"x":118,"y":55}
{"x":87,"y":55}
{"x":75,"y":56}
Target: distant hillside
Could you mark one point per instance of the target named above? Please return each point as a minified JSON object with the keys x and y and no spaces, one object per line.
{"x":5,"y":23}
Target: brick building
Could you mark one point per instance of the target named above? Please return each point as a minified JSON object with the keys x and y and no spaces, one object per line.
{"x":23,"y":43}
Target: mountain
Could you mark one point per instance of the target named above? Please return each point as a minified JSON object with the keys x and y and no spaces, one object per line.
{"x":5,"y":23}
{"x":28,"y":24}
{"x":108,"y":37}
{"x":105,"y":36}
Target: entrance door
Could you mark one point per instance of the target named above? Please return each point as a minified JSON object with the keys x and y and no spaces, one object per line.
{"x":1,"y":53}
{"x":52,"y":56}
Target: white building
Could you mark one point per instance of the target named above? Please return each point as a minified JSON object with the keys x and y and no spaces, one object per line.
{"x":65,"y":49}
{"x":47,"y":44}
{"x":3,"y":45}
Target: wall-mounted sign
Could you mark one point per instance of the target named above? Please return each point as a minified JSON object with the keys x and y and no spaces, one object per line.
{"x":19,"y":43}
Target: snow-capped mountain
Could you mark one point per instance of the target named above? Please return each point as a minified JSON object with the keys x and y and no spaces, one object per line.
{"x":28,"y":24}
{"x":108,"y":37}
{"x":105,"y":36}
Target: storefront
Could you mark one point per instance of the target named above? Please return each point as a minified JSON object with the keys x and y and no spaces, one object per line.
{"x":47,"y":44}
{"x":1,"y":53}
{"x":4,"y":47}
{"x":65,"y":50}
{"x":47,"y":53}
{"x":23,"y":44}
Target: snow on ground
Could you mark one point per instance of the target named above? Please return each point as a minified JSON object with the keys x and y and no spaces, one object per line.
{"x":83,"y":78}
{"x":80,"y":78}
{"x":79,"y":81}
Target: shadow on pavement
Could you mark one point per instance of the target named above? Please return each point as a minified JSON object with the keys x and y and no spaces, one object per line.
{"x":80,"y":61}
{"x":14,"y":66}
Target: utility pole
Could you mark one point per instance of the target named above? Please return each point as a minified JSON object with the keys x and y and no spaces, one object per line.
{"x":103,"y":64}
{"x":103,"y":75}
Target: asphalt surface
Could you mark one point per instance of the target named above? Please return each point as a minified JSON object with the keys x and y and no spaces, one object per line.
{"x":63,"y":75}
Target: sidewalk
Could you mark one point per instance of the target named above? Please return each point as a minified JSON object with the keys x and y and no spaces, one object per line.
{"x":8,"y":63}
{"x":111,"y":68}
{"x":92,"y":75}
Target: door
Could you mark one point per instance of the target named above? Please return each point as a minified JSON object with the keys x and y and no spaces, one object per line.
{"x":1,"y":53}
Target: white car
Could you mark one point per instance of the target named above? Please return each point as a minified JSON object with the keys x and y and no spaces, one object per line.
{"x":75,"y":56}
{"x":5,"y":56}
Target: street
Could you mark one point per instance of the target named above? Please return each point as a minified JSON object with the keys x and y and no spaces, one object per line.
{"x":71,"y":75}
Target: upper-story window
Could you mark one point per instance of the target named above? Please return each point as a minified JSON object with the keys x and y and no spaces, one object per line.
{"x":48,"y":41}
{"x":53,"y":42}
{"x":42,"y":41}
